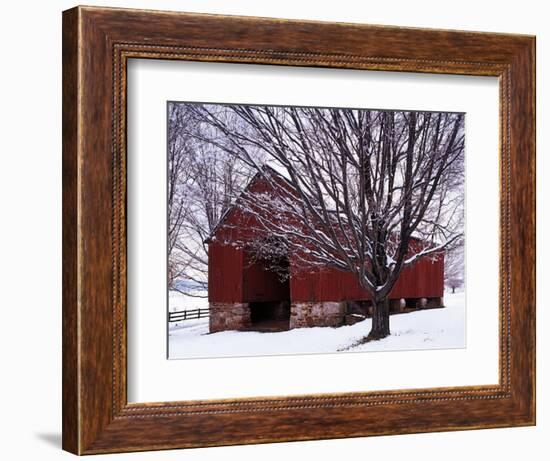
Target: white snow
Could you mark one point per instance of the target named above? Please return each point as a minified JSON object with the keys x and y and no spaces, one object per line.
{"x":429,"y":329}
{"x":179,"y":302}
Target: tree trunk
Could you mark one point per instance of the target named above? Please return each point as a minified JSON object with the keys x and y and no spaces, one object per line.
{"x":453,"y":290}
{"x":380,"y":319}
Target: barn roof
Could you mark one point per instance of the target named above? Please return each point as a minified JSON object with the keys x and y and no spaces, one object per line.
{"x":262,"y":174}
{"x":265,"y":171}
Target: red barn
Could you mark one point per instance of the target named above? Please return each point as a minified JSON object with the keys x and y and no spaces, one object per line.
{"x":244,"y":294}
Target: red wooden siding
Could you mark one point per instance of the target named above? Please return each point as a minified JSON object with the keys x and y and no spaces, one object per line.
{"x":423,"y":280}
{"x":225,"y":273}
{"x":231,"y":279}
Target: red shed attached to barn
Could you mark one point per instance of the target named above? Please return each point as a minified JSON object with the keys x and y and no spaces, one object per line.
{"x":243,"y":292}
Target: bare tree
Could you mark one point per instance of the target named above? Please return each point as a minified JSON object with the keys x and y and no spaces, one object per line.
{"x":202,"y":182}
{"x":180,"y":147}
{"x":454,"y":268}
{"x":351,"y":188}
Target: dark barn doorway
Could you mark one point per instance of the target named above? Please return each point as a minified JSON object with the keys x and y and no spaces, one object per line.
{"x":270,"y":315}
{"x":267,"y":284}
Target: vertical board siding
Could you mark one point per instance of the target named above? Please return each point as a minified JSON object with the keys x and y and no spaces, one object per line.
{"x":225,"y":273}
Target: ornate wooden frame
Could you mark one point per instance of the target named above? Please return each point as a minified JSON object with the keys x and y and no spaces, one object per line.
{"x":97,"y":43}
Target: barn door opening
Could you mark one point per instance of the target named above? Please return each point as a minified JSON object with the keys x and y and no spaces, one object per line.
{"x":270,"y":306}
{"x":270,"y":315}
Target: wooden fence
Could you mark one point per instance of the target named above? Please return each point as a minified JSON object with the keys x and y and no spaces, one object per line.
{"x":179,"y":316}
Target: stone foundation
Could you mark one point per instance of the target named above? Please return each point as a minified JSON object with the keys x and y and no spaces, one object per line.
{"x":317,"y":314}
{"x":237,"y":316}
{"x":229,"y":316}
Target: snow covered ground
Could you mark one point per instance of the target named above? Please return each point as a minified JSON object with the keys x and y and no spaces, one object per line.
{"x":430,"y":329}
{"x":179,"y":302}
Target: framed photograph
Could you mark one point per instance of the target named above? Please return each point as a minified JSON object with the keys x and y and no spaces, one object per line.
{"x":282,"y":230}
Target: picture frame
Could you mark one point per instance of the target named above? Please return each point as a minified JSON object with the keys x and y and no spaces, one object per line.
{"x":97,"y":44}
